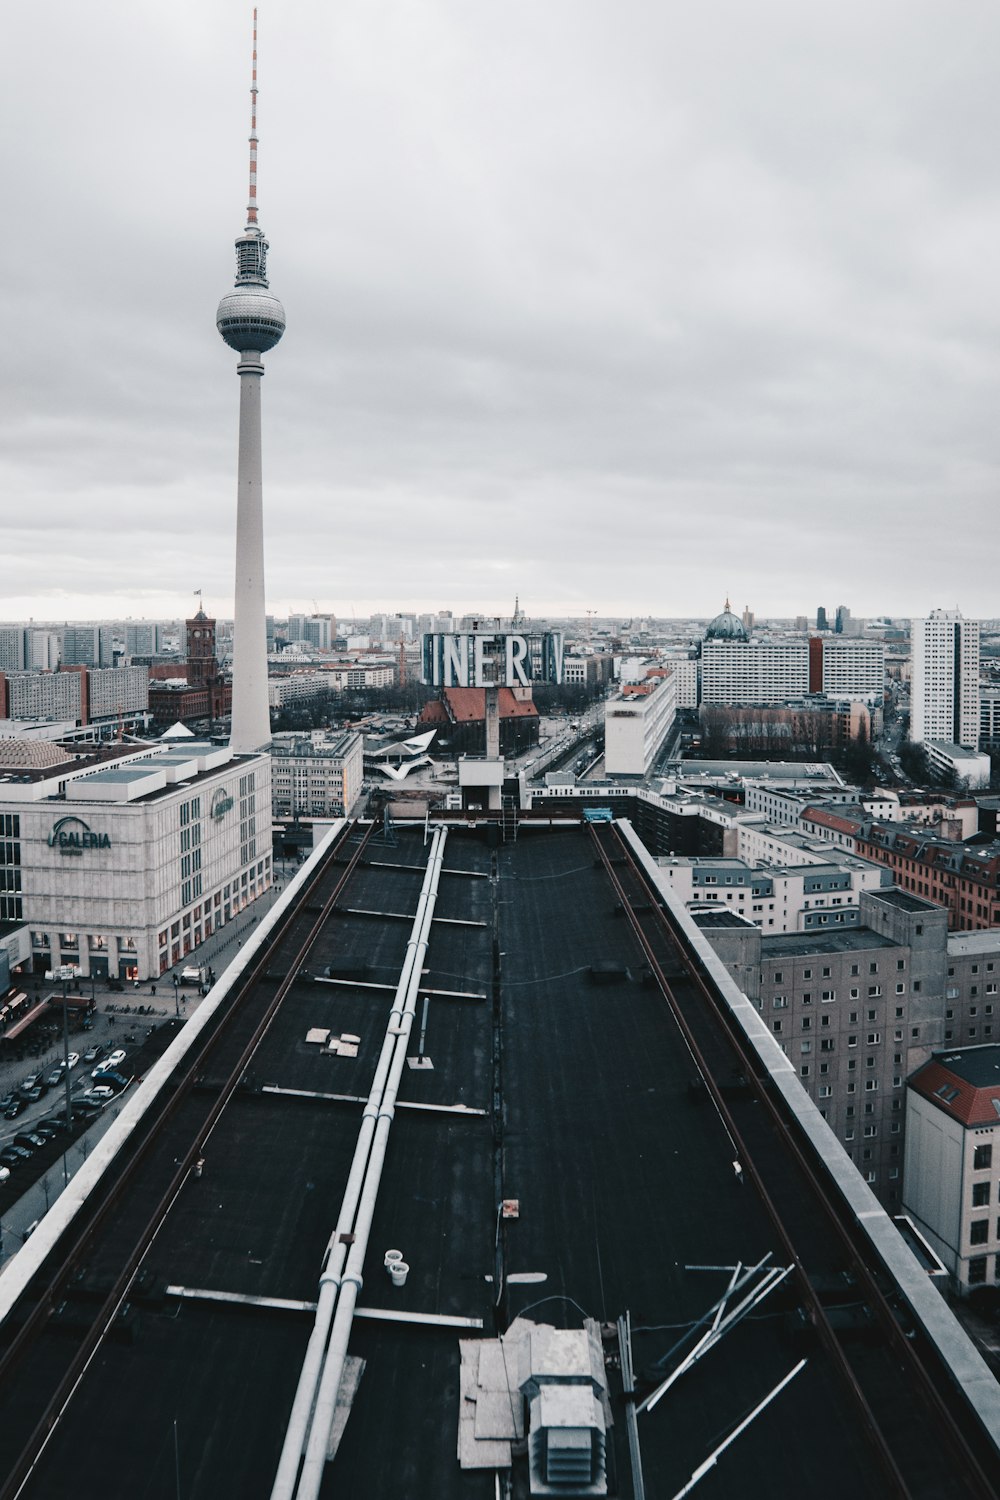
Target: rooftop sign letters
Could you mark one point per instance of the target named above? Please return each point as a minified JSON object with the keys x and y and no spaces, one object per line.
{"x":492,"y":659}
{"x":72,"y":835}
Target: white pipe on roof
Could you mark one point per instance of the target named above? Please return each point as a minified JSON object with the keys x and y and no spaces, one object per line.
{"x":316,"y":1394}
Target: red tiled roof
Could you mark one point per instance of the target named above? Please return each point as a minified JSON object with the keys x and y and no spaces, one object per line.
{"x":468,"y":705}
{"x":829,"y":820}
{"x":962,"y":1100}
{"x":433,"y":712}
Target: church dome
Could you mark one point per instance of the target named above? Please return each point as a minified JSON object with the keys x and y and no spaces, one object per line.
{"x":727,"y":627}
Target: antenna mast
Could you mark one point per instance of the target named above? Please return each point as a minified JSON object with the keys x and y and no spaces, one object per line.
{"x":252,"y":203}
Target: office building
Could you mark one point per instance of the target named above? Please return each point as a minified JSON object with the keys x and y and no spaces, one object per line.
{"x":952,"y":1177}
{"x":316,"y":775}
{"x":12,"y":648}
{"x":847,"y":668}
{"x":122,"y":862}
{"x":638,"y":720}
{"x":944,"y":690}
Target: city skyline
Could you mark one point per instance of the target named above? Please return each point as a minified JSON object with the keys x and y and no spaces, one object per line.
{"x":620,"y":312}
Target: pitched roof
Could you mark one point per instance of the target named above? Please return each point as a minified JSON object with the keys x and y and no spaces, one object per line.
{"x":960,"y":1084}
{"x":468,"y":706}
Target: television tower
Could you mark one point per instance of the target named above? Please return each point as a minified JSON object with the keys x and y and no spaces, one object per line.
{"x":251,"y":320}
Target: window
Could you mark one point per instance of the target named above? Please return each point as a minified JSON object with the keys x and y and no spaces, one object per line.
{"x":977,"y":1270}
{"x":825,"y":1091}
{"x":855,"y":992}
{"x":776,"y":1025}
{"x":870,"y":1131}
{"x":807,"y":973}
{"x":871,"y":1084}
{"x":900,"y":964}
{"x":806,"y":1023}
{"x":804,"y":1071}
{"x":874,"y":1037}
{"x":852,"y":1040}
{"x":982,"y":1158}
{"x":979,"y":1231}
{"x":876,"y":989}
{"x":873,"y":968}
{"x":980,"y":1194}
{"x":829,"y":995}
{"x":780,"y":1002}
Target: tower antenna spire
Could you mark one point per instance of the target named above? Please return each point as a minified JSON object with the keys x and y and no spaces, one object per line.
{"x":251,"y":320}
{"x":252,"y":201}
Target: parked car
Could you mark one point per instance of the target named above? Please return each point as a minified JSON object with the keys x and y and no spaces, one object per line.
{"x":109,"y":1063}
{"x":17,"y":1108}
{"x":9,"y":1157}
{"x":89,"y":1102}
{"x":29,"y":1139}
{"x":44,"y":1128}
{"x":32,"y":1096}
{"x":117,"y":1081}
{"x":73,"y":1059}
{"x":102,"y":1092}
{"x":4,"y":1175}
{"x":21,"y":1152}
{"x":6,"y":1101}
{"x":55,"y":1077}
{"x":93,"y":1052}
{"x":53,"y":1127}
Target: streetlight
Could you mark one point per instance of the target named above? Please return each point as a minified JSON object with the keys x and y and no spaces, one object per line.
{"x":65,"y":973}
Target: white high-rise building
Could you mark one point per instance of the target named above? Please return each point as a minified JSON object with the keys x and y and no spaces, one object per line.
{"x":944,"y":679}
{"x":251,"y":321}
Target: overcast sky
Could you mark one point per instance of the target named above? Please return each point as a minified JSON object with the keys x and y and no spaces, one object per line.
{"x":620,"y":306}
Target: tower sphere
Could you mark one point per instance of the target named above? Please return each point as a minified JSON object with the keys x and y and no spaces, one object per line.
{"x":250,"y":317}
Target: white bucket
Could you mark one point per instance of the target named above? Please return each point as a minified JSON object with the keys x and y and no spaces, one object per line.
{"x":398,"y":1270}
{"x":391,"y":1256}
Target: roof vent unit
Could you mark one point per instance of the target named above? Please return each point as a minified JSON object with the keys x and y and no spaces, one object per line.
{"x":562,"y":1378}
{"x":567,"y":1444}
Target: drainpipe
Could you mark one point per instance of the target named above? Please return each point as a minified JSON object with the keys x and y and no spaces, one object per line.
{"x":357,"y":1208}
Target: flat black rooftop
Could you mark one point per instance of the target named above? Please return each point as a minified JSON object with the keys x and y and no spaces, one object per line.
{"x":834,"y":940}
{"x":716,"y":919}
{"x":902,"y":900}
{"x":577,"y":1091}
{"x":979,"y":1066}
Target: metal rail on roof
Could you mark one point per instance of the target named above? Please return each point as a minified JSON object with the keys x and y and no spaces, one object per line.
{"x":850,"y":1206}
{"x":199,"y":1037}
{"x":304,"y":1451}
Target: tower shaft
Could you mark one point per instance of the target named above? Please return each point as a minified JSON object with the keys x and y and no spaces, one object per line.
{"x":251,"y":727}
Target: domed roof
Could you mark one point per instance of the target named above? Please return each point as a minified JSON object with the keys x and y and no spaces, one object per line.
{"x":250,"y":318}
{"x":727,"y":627}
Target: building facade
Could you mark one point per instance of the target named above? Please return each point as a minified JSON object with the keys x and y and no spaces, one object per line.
{"x":637,"y":721}
{"x":316,"y":775}
{"x":963,"y":878}
{"x":123,"y":867}
{"x":944,"y":689}
{"x":952,"y":1169}
{"x":738,"y":672}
